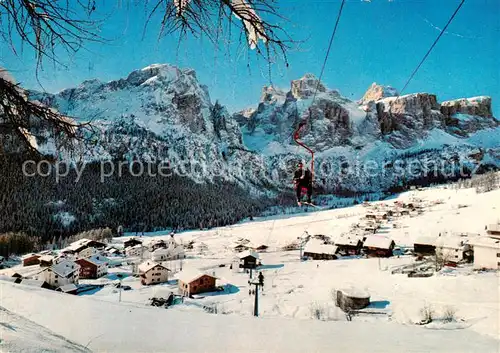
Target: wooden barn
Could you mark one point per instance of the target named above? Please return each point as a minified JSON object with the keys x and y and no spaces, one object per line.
{"x":262,"y":248}
{"x":82,"y":244}
{"x":317,"y":250}
{"x":425,"y":246}
{"x":195,"y":282}
{"x":378,"y":246}
{"x":348,"y":245}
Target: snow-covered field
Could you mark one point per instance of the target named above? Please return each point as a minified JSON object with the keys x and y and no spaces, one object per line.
{"x":293,"y":291}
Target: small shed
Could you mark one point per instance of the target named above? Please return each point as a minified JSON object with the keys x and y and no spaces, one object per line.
{"x":425,"y":245}
{"x":68,"y":289}
{"x":352,"y":299}
{"x":131,"y":242}
{"x":248,"y":259}
{"x":378,"y":246}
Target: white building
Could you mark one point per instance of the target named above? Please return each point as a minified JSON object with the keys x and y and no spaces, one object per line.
{"x":452,"y":249}
{"x":152,"y":273}
{"x":486,"y":253}
{"x":135,"y":251}
{"x":88,"y":252}
{"x":174,"y":252}
{"x":65,"y":272}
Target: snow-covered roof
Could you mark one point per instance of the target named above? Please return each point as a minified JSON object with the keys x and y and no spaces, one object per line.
{"x":160,"y":251}
{"x":248,"y":253}
{"x":77,"y":244}
{"x":98,"y":260}
{"x":47,"y":258}
{"x":486,"y":242}
{"x":7,"y":278}
{"x":355,"y":292}
{"x":32,"y":282}
{"x":27,"y":256}
{"x":188,"y":276}
{"x":317,"y":247}
{"x":451,"y":242}
{"x":347,"y":240}
{"x":378,"y":241}
{"x":65,"y":268}
{"x":425,"y":240}
{"x":68,"y":288}
{"x":146,"y":266}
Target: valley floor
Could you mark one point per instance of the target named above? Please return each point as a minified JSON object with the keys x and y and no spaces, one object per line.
{"x":297,"y":313}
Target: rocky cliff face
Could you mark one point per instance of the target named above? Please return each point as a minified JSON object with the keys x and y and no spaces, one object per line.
{"x":382,"y":127}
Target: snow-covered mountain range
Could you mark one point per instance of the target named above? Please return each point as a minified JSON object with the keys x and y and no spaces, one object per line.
{"x":162,"y":112}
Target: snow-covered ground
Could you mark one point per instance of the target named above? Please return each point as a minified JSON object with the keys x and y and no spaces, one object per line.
{"x":293,"y":290}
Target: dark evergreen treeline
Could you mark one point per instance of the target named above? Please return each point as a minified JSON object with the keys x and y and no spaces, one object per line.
{"x":138,"y":203}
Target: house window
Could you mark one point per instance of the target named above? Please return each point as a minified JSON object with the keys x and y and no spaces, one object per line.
{"x":498,"y":254}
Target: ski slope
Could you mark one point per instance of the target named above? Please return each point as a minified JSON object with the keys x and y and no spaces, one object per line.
{"x":113,"y":327}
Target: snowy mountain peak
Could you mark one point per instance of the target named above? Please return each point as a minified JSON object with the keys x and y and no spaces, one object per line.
{"x":377,"y":92}
{"x":271,"y":94}
{"x":305,"y":87}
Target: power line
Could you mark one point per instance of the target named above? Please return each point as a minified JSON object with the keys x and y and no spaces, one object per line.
{"x":328,"y":50}
{"x":432,"y":46}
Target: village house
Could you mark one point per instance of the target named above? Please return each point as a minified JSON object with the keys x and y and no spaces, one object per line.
{"x":152,"y":272}
{"x":425,"y":245}
{"x":79,"y":245}
{"x":88,"y":252}
{"x":493,"y":230}
{"x":93,"y":267}
{"x":65,"y":272}
{"x":348,"y":245}
{"x":240,"y":248}
{"x":453,"y":249}
{"x":317,"y":250}
{"x":157,"y":244}
{"x":262,"y":248}
{"x":46,"y":260}
{"x":135,"y":251}
{"x":486,"y":253}
{"x":131,"y":242}
{"x":378,"y":246}
{"x":195,"y":282}
{"x":31,"y":259}
{"x":248,"y":259}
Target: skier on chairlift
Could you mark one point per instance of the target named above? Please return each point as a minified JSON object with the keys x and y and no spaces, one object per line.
{"x":303,"y":183}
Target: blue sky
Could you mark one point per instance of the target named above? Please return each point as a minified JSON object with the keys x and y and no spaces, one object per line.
{"x":379,"y":41}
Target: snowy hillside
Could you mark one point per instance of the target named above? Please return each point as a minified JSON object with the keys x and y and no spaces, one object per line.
{"x":296,"y":309}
